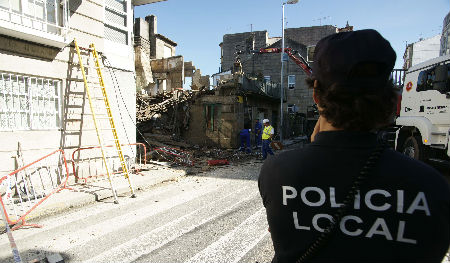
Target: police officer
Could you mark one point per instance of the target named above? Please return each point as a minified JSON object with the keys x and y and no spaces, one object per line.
{"x":345,"y":197}
{"x":267,"y":135}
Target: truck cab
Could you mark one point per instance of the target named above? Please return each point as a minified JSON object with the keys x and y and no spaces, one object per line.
{"x":424,"y":112}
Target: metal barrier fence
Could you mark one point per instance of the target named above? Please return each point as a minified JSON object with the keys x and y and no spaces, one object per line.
{"x":27,"y":187}
{"x":398,"y":77}
{"x":92,"y":166}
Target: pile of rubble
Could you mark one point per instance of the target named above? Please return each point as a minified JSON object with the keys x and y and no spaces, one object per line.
{"x":161,"y":120}
{"x":179,"y":153}
{"x":166,"y":113}
{"x":148,"y":106}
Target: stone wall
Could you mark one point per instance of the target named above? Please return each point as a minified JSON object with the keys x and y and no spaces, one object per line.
{"x":144,"y":76}
{"x":269,"y":64}
{"x":240,"y":41}
{"x":225,"y":122}
{"x":229,"y":118}
{"x":309,"y":36}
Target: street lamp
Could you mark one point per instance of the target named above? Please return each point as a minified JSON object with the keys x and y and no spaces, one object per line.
{"x":283,"y":59}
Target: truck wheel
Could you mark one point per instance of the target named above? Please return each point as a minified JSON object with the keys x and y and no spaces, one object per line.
{"x":413,"y":148}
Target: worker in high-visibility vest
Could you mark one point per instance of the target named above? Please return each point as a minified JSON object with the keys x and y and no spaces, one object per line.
{"x":267,"y":135}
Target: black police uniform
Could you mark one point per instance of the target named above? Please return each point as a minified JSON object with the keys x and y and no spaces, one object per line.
{"x":401,"y":213}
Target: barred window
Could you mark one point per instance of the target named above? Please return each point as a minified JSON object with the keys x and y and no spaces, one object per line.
{"x":310,"y":53}
{"x":29,"y":103}
{"x":116,"y":21}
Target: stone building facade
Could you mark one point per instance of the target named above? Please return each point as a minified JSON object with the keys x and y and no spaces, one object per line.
{"x":298,"y":98}
{"x":149,"y":45}
{"x":158,"y":69}
{"x":220,"y":116}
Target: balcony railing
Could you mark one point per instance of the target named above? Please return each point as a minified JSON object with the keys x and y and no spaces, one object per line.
{"x":41,"y":21}
{"x":398,"y":77}
{"x":266,"y":88}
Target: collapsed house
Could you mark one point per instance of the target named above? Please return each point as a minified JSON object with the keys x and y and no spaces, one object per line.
{"x":210,"y":117}
{"x":219,"y":117}
{"x":158,"y":69}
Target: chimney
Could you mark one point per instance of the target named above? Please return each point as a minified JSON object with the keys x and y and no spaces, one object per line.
{"x":152,"y":21}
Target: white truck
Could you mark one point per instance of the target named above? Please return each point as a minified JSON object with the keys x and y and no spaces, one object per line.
{"x":423,"y":120}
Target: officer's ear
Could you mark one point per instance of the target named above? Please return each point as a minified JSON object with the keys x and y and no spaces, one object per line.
{"x":316,"y":84}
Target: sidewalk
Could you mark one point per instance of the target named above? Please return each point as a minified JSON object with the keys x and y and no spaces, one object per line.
{"x":96,"y":190}
{"x":83,"y":194}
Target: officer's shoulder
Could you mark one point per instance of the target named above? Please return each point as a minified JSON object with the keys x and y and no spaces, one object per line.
{"x":289,"y":156}
{"x":400,"y":161}
{"x":412,"y":170}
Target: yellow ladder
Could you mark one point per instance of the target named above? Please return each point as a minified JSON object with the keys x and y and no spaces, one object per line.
{"x":93,"y":52}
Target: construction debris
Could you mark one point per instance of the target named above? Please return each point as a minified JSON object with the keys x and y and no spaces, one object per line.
{"x":164,"y":120}
{"x":218,"y":162}
{"x":175,"y":155}
{"x":148,"y":106}
{"x":161,"y":120}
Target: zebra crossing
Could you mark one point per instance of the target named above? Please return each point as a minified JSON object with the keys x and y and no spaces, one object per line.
{"x":215,"y":217}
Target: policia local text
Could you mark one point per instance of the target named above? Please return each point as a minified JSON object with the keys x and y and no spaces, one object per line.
{"x":308,"y":196}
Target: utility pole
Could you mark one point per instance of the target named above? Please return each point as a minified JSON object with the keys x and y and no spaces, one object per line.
{"x":281,"y":75}
{"x":284,"y":58}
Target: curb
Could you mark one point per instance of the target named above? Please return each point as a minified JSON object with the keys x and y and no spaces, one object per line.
{"x":90,"y":193}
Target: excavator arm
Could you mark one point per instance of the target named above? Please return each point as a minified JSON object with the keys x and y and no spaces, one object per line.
{"x":300,"y":61}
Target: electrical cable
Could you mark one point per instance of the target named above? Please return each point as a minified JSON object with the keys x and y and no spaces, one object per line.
{"x":116,"y":86}
{"x":114,"y":77}
{"x":110,"y":69}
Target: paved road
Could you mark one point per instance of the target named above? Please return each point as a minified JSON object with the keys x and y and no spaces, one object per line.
{"x":212,"y":217}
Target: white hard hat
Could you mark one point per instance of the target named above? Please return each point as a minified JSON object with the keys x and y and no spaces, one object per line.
{"x":265,"y":120}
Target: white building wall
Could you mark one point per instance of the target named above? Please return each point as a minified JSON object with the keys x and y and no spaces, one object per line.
{"x":32,"y":59}
{"x":426,"y":49}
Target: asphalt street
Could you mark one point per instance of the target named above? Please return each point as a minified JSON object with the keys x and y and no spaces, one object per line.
{"x":215,"y":216}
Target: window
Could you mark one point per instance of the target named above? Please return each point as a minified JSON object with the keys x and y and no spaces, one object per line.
{"x":212,"y":113}
{"x":41,"y":21}
{"x":310,"y":53}
{"x":291,"y":81}
{"x":29,"y":103}
{"x":436,"y":78}
{"x":116,"y":21}
{"x":292,"y":108}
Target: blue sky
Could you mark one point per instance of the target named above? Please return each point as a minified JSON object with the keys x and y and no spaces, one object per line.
{"x":198,"y":26}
